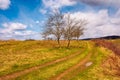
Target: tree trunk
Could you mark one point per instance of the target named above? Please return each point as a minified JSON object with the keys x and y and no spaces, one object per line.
{"x":58,"y":40}
{"x":77,"y":38}
{"x":68,"y":43}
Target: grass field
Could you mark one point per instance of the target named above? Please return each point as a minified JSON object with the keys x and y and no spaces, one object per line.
{"x":116,"y":42}
{"x":18,"y":56}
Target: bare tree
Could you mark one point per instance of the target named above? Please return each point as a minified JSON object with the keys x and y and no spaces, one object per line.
{"x":54,"y":26}
{"x":79,"y":28}
{"x":72,"y":28}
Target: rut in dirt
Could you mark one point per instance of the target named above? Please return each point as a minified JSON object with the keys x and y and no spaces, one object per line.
{"x":74,"y":70}
{"x":23,"y":72}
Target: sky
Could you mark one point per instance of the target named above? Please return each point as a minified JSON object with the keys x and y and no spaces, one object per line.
{"x":25,"y":19}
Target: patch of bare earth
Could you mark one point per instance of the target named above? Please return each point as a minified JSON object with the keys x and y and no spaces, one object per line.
{"x":23,"y":72}
{"x":72,"y":71}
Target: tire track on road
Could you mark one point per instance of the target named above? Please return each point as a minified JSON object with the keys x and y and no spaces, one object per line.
{"x":79,"y":65}
{"x":23,"y":72}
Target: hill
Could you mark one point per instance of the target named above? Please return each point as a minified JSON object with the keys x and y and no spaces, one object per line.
{"x":105,"y":37}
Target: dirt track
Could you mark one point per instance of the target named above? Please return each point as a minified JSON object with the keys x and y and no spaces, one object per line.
{"x":81,"y":65}
{"x":20,"y":73}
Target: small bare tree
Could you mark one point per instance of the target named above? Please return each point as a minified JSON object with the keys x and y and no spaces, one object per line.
{"x":73,"y":28}
{"x":54,"y":26}
{"x":79,"y":28}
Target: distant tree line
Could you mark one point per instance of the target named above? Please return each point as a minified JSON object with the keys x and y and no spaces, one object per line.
{"x":63,"y":26}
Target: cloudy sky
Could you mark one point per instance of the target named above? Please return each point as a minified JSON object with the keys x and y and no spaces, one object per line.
{"x":24,"y":19}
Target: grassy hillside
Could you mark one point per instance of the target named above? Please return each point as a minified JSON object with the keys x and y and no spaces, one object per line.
{"x":86,"y":64}
{"x":18,"y":55}
{"x":116,"y":42}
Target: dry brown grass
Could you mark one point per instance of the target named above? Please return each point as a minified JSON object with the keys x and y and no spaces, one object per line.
{"x":111,"y":66}
{"x":19,"y":55}
{"x":109,"y":45}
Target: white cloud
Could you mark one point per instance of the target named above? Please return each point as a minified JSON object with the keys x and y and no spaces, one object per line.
{"x":24,"y":33}
{"x":115,"y":3}
{"x":14,"y":26}
{"x":37,"y":22}
{"x":118,"y":13}
{"x":21,"y":35}
{"x":43,"y":11}
{"x":4,"y":4}
{"x":16,"y":30}
{"x":99,"y":24}
{"x":56,"y":4}
{"x":11,"y":27}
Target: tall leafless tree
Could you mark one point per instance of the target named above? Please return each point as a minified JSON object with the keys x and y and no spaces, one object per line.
{"x":73,"y":28}
{"x":54,"y":26}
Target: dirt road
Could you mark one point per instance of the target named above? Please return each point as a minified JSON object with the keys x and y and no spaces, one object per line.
{"x":80,"y":65}
{"x":20,"y":73}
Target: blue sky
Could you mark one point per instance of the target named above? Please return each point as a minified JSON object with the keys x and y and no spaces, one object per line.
{"x":24,"y":19}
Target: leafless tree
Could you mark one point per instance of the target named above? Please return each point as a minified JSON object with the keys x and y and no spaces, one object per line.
{"x":54,"y":26}
{"x":79,"y":28}
{"x":73,"y":28}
